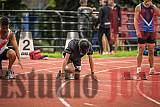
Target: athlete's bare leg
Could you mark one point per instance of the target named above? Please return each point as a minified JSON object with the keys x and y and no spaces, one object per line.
{"x":140,"y":54}
{"x":151,"y":54}
{"x":11,"y":55}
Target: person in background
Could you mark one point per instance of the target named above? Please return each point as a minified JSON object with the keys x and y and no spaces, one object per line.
{"x":84,"y":11}
{"x":115,"y":23}
{"x":105,"y":15}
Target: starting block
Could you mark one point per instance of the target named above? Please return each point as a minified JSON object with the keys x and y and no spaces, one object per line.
{"x":126,"y":76}
{"x":140,"y":76}
{"x":69,"y":76}
{"x":72,"y":75}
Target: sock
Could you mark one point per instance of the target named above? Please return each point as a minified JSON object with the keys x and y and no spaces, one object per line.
{"x":152,"y":69}
{"x":138,"y":69}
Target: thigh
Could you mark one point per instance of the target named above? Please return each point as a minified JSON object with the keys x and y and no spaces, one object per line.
{"x":150,"y":46}
{"x":142,"y":40}
{"x":151,"y":38}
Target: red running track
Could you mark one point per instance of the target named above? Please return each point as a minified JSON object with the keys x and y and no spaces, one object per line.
{"x":36,"y":85}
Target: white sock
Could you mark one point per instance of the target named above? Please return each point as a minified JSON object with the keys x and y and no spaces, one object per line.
{"x":152,"y":69}
{"x":138,"y":69}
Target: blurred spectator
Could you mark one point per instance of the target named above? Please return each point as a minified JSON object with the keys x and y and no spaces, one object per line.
{"x":105,"y":15}
{"x":116,"y":22}
{"x":95,"y":28}
{"x":124,"y":29}
{"x":84,"y":13}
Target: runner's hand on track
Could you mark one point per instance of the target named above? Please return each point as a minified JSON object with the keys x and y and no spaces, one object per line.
{"x":93,"y":76}
{"x":60,"y":75}
{"x":19,"y":62}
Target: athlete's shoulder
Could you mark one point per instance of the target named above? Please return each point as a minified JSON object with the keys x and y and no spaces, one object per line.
{"x":138,"y":8}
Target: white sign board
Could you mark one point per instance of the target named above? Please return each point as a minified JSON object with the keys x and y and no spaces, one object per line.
{"x":70,"y":36}
{"x":25,"y":44}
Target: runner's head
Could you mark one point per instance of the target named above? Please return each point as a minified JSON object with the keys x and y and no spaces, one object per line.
{"x":147,"y":3}
{"x":4,"y":23}
{"x":84,"y":46}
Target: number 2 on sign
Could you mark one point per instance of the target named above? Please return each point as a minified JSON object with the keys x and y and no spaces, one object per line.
{"x":26,"y":47}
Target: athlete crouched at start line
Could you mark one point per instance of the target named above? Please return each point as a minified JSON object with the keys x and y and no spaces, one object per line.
{"x":72,"y":58}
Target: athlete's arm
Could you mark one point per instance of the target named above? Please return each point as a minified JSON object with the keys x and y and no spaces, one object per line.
{"x":136,"y":20}
{"x":91,"y":63}
{"x":93,"y":76}
{"x":65,"y":62}
{"x":157,"y":10}
{"x":15,"y":46}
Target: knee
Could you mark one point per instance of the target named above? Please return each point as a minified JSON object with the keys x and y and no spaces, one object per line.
{"x":69,"y":68}
{"x":140,"y":51}
{"x":151,"y":51}
{"x":11,"y":54}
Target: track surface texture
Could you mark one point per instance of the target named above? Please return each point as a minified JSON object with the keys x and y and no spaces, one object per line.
{"x":36,"y":85}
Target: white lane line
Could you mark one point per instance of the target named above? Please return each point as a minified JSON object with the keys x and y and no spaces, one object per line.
{"x":144,"y":95}
{"x":88,"y":104}
{"x":59,"y":95}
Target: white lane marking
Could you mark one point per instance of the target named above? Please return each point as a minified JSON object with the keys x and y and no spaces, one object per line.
{"x":59,"y":95}
{"x":144,"y":95}
{"x":88,"y":104}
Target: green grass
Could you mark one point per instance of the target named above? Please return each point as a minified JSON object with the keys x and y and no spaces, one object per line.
{"x":53,"y":55}
{"x":117,"y":54}
{"x":97,"y":55}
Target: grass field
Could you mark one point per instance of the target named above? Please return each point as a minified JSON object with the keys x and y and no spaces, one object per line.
{"x":97,"y":55}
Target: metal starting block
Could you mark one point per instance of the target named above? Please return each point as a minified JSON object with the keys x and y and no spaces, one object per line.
{"x":140,"y":76}
{"x":69,"y":76}
{"x":126,"y":76}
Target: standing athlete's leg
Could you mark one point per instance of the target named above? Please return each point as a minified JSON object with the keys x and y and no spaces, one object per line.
{"x":151,"y":44}
{"x":151,"y":54}
{"x":140,"y":54}
{"x":141,"y":46}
